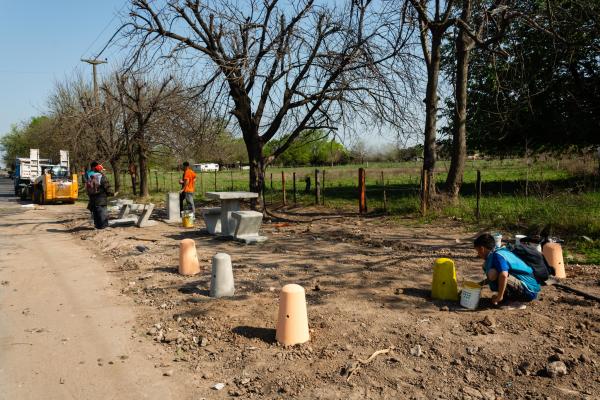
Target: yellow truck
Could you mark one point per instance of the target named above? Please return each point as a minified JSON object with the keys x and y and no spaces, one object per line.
{"x":47,"y":183}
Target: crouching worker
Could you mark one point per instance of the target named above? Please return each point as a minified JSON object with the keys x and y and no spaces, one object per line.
{"x":507,"y":274}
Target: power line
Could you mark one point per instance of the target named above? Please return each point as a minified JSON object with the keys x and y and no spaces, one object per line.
{"x":104,"y":30}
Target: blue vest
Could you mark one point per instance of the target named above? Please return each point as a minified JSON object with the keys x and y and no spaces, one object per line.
{"x":516,"y":268}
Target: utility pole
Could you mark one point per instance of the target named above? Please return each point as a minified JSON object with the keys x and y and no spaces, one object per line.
{"x":94,"y":62}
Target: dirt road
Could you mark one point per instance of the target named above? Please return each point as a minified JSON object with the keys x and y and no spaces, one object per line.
{"x":65,"y":331}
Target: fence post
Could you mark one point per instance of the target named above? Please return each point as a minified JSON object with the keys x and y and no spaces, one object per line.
{"x":231,"y":178}
{"x":156,"y":178}
{"x":215,"y":181}
{"x":323,"y":188}
{"x":384,"y":194}
{"x":294,"y":185}
{"x":362,"y":195}
{"x":317,"y":188}
{"x":478,"y":209}
{"x":165,"y":182}
{"x":424,"y":191}
{"x":283,"y":188}
{"x":171,"y":184}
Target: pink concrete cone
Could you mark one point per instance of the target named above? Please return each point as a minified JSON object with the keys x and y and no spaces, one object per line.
{"x":554,"y":255}
{"x":188,"y":258}
{"x":292,"y":321}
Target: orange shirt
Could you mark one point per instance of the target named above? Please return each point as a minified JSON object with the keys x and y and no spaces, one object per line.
{"x":191,"y":178}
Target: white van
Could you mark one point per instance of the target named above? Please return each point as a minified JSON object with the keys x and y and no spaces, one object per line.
{"x":207,"y":167}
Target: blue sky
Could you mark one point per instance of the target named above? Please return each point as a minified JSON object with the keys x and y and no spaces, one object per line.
{"x":42,"y":42}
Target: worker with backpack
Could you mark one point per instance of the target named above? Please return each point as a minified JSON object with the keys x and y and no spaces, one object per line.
{"x":507,"y":275}
{"x":98,"y":189}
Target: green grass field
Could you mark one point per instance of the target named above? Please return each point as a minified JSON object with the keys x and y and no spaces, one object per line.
{"x":517,"y":196}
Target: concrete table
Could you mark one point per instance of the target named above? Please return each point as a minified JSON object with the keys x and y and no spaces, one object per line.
{"x":230,"y":201}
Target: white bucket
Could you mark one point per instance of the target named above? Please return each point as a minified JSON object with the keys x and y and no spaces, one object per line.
{"x":469,"y":297}
{"x":498,"y":239}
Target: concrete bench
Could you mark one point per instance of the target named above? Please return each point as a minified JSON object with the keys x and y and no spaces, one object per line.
{"x":126,"y":218}
{"x":212,"y":219}
{"x":247,"y":224}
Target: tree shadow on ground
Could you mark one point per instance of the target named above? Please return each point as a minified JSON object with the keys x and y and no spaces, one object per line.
{"x":267,"y":335}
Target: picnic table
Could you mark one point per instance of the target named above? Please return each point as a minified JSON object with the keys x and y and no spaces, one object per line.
{"x":230,"y":202}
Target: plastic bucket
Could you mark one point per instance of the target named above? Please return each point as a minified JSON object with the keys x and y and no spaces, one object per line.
{"x":187,"y":220}
{"x":469,"y":297}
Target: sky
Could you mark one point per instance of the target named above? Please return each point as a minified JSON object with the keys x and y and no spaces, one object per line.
{"x":42,"y":42}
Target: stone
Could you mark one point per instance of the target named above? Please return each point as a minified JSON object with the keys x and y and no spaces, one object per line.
{"x":556,"y":369}
{"x":444,"y":308}
{"x":203,"y":342}
{"x":585,"y":359}
{"x":171,"y":336}
{"x":168,"y":372}
{"x":474,"y":393}
{"x":487,"y":321}
{"x":472,"y":350}
{"x":416,"y":351}
{"x":218,"y":386}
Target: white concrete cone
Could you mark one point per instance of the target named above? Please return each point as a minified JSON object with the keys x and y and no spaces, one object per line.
{"x":221,"y":282}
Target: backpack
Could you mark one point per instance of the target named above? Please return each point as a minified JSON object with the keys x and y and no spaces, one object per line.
{"x":536,"y":260}
{"x":92,"y":185}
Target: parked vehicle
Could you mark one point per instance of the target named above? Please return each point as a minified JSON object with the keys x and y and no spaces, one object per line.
{"x":43,"y":182}
{"x":206,"y":167}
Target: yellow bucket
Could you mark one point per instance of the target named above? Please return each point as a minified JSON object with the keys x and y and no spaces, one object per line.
{"x":187,"y":220}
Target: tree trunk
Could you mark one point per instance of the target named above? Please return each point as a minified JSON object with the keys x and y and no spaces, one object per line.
{"x":464,"y":44}
{"x":257,"y":169}
{"x":143,"y":163}
{"x":114,"y":163}
{"x":431,"y":100}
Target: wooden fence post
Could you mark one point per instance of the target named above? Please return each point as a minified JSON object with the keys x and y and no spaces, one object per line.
{"x":323,"y":187}
{"x":384,"y":194}
{"x":215,"y":181}
{"x":156,"y":178}
{"x":362,"y":195}
{"x":478,"y":187}
{"x":283,"y":188}
{"x":231,"y":178}
{"x":317,"y":188}
{"x":294,"y":186}
{"x":165,"y":182}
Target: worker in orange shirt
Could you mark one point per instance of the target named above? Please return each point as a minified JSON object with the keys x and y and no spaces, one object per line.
{"x":187,"y":187}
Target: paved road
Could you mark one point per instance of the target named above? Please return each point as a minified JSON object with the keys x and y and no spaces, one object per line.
{"x":65,"y":330}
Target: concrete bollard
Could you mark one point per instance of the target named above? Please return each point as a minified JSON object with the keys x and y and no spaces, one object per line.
{"x":173,"y":212}
{"x":554,"y":255}
{"x":443,"y":284}
{"x":221,"y":282}
{"x":292,"y":321}
{"x":188,"y":258}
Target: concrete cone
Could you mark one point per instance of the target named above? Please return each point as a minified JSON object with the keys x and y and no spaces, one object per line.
{"x":292,"y":321}
{"x":554,"y":255}
{"x":221,"y":282}
{"x":188,"y":258}
{"x":443,"y":284}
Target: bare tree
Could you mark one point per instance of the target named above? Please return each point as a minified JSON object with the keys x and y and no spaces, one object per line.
{"x":144,"y":101}
{"x":434,"y":19}
{"x":281,"y":67}
{"x":483,"y":32}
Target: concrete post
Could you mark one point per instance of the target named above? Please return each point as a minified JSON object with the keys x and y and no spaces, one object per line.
{"x":221,"y":282}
